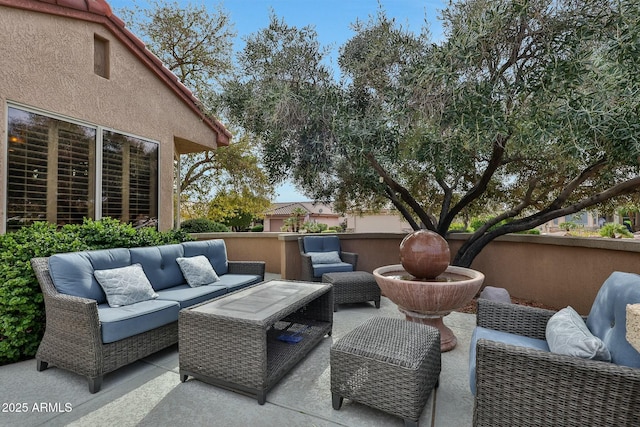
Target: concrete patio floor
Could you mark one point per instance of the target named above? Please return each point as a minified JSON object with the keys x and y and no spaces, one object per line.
{"x":149,"y":392}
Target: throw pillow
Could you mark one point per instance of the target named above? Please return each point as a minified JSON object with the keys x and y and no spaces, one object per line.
{"x":332,"y":257}
{"x":125,"y":285}
{"x":197,"y":270}
{"x":568,"y":334}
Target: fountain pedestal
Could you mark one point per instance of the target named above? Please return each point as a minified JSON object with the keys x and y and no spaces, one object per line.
{"x":427,"y":301}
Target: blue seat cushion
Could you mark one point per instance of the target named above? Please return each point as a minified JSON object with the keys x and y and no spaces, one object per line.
{"x":499,"y":336}
{"x":340,"y":267}
{"x":122,"y":322}
{"x":234,"y":282}
{"x":607,"y":319}
{"x":187,"y":296}
{"x":321,"y":243}
{"x":72,"y":273}
{"x":160,"y":265}
{"x":215,"y":250}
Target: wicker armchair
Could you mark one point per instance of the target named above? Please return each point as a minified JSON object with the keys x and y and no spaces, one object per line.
{"x":517,"y":386}
{"x":316,"y":244}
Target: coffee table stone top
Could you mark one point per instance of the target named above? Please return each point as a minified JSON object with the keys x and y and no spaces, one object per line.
{"x":261,"y":302}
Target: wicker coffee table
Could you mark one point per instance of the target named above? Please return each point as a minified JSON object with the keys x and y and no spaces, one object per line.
{"x":232,"y":341}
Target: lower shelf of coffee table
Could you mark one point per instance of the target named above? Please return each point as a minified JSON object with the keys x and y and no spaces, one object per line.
{"x":281,"y":356}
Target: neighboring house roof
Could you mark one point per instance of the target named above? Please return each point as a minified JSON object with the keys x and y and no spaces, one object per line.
{"x":99,"y":11}
{"x":286,"y":209}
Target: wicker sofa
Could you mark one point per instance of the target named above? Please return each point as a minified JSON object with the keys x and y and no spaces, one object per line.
{"x":519,"y":383}
{"x":85,"y":335}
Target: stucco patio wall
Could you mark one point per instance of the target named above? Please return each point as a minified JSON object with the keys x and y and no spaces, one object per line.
{"x":554,"y":270}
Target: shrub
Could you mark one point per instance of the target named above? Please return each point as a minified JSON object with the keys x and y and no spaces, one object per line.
{"x":22,"y":317}
{"x":203,"y":225}
{"x":257,"y":228}
{"x":614,"y":230}
{"x":314,"y":227}
{"x":458,"y":227}
{"x":568,"y":225}
{"x":532,"y":231}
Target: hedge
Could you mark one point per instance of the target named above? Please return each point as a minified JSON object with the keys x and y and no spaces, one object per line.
{"x":22,"y":318}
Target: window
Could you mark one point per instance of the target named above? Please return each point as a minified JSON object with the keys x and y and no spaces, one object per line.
{"x":129,"y":178}
{"x":52,"y":173}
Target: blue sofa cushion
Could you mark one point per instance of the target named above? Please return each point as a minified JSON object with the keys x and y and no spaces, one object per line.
{"x":72,"y":273}
{"x":499,"y":336}
{"x":215,"y":250}
{"x":321,"y":243}
{"x":320,"y":269}
{"x":122,"y":322}
{"x":187,"y":296}
{"x":160,"y":265}
{"x":233,"y":282}
{"x":608,"y":317}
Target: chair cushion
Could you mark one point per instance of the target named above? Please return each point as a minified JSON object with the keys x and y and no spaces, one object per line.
{"x":499,"y":336}
{"x":568,"y":334}
{"x":187,"y":296}
{"x":160,"y":265}
{"x":320,"y":269}
{"x":197,"y":270}
{"x":125,"y":285}
{"x":321,"y":244}
{"x":215,"y":250}
{"x":607,"y":318}
{"x":117,"y":323}
{"x":72,"y":273}
{"x":331,"y":257}
{"x":234,"y":282}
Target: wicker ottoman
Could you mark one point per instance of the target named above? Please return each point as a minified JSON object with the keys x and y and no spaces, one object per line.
{"x":353,"y":286}
{"x":388,"y":364}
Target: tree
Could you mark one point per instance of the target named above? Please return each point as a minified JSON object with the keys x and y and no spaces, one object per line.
{"x":527,"y":110}
{"x":235,"y":175}
{"x":196,"y":45}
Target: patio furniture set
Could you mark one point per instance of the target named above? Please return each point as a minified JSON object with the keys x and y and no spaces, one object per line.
{"x":244,"y":334}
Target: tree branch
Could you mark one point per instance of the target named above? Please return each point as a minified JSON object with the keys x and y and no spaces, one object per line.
{"x":494,"y":162}
{"x":404,"y":193}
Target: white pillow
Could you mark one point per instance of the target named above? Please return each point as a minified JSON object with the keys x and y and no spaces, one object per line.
{"x":332,"y":257}
{"x":125,"y":285}
{"x":197,"y":270}
{"x":568,"y":334}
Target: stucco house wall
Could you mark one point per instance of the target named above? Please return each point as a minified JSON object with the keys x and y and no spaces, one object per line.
{"x":387,"y":222}
{"x":47,"y":64}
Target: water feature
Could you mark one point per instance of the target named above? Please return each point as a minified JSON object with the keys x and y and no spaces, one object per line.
{"x":429,"y":298}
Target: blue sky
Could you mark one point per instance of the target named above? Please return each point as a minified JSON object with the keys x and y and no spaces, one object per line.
{"x":332,"y":20}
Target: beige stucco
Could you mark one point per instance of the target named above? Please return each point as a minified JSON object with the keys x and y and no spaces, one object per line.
{"x":47,"y":64}
{"x":386,"y":222}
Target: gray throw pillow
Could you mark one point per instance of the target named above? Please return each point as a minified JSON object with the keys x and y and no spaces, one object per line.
{"x":568,"y":334}
{"x":332,"y":257}
{"x":125,"y":285}
{"x":197,"y":270}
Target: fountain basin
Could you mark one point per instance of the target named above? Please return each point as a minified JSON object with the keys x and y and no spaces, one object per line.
{"x":427,"y":301}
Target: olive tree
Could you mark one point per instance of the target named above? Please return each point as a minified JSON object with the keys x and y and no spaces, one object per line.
{"x":527,"y":110}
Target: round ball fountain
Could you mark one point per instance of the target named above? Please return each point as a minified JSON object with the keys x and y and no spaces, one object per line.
{"x":425,"y":287}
